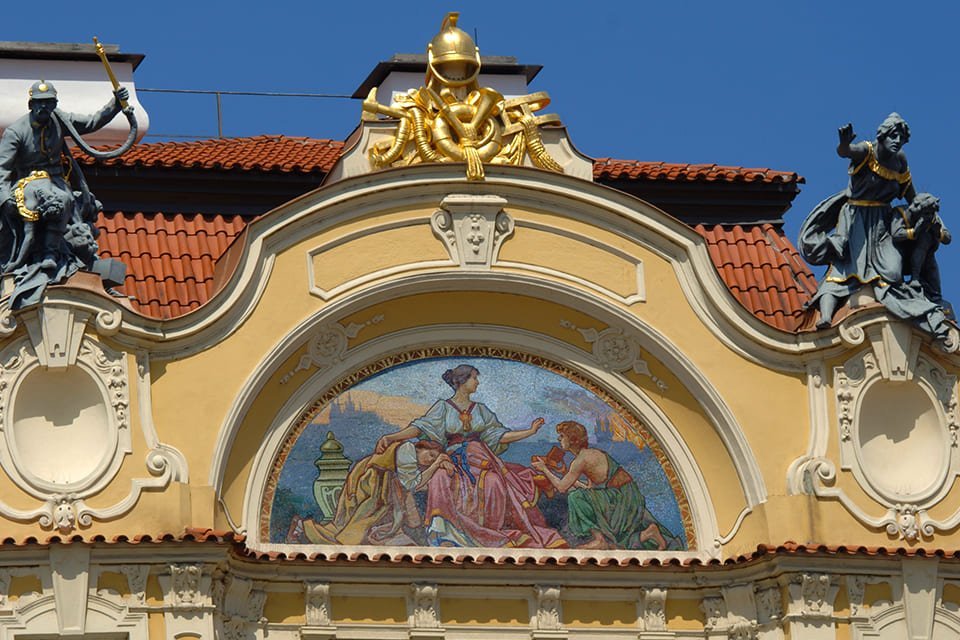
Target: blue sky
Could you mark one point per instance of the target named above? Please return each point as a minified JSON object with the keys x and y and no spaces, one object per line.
{"x":758,"y":84}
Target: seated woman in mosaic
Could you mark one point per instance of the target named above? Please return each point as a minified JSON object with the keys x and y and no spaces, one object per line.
{"x":486,"y":502}
{"x":377,"y":504}
{"x":608,"y":508}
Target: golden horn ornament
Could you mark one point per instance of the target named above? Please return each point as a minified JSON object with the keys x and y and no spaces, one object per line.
{"x":488,"y":106}
{"x":106,"y":65}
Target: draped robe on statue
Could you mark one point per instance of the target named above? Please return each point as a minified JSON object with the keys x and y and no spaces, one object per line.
{"x":851,"y":232}
{"x":487,"y":502}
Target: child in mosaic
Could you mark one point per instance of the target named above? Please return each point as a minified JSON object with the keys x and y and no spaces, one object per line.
{"x":376,"y":505}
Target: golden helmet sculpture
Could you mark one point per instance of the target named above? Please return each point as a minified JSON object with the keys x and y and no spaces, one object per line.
{"x":453,"y":119}
{"x":451,"y":48}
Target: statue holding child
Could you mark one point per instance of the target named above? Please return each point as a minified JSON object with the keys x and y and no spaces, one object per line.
{"x":868,"y":244}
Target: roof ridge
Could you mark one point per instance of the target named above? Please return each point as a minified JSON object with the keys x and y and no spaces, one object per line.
{"x":659,"y":169}
{"x":308,"y":154}
{"x":263,"y":137}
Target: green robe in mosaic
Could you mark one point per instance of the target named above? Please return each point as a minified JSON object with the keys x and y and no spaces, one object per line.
{"x":619,"y":513}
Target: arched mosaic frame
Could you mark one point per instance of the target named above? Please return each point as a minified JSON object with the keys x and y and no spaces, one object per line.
{"x":637,"y":433}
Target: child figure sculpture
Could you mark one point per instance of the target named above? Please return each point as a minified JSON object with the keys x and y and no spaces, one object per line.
{"x":920,"y":231}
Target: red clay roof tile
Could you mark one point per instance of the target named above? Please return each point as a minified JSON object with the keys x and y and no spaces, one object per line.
{"x":166,"y":277}
{"x":611,"y":168}
{"x":728,"y":254}
{"x":762,"y":552}
{"x":237,"y":542}
{"x":259,"y":153}
{"x":763,"y":271}
{"x":290,"y":154}
{"x":187,"y":535}
{"x":773,"y":278}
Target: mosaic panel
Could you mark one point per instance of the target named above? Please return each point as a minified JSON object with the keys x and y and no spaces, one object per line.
{"x":473,"y":447}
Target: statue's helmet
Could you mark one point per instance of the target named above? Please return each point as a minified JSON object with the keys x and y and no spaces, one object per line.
{"x":452,"y":56}
{"x":42,"y":90}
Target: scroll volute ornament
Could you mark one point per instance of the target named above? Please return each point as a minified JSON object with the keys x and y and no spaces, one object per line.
{"x":451,"y":118}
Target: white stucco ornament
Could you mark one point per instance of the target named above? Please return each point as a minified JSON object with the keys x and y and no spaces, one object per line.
{"x":897,"y":426}
{"x":472,"y":228}
{"x":616,"y":350}
{"x":58,"y":385}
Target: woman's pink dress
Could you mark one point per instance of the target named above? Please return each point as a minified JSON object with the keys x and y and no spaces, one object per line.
{"x":487,"y":502}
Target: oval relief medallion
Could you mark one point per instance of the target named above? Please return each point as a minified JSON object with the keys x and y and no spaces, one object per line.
{"x":60,"y":433}
{"x":902,"y":442}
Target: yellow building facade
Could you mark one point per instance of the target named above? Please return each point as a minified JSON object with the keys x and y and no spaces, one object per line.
{"x":782,"y":485}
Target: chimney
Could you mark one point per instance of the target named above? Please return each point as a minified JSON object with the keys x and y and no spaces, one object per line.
{"x":77,"y":73}
{"x":406,"y":71}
